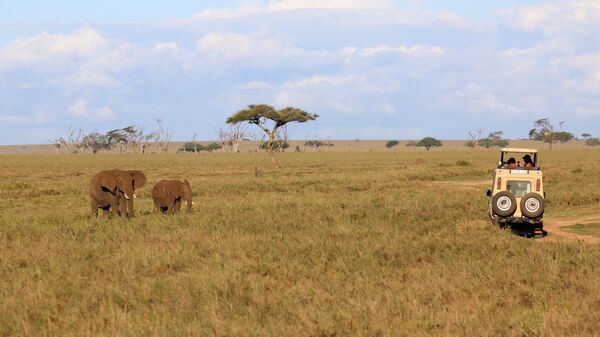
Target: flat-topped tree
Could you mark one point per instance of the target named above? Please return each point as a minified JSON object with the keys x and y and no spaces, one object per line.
{"x":544,"y":131}
{"x":270,"y":120}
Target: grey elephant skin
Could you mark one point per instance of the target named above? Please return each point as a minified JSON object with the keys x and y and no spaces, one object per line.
{"x":169,"y":194}
{"x":114,"y":191}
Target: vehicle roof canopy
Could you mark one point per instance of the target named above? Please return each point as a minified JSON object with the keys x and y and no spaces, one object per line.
{"x":518,"y":150}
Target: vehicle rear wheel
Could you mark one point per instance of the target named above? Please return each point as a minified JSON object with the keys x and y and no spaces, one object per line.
{"x":504,"y":204}
{"x":532,"y":205}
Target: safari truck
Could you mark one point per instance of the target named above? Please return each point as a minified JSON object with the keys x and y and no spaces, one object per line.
{"x":517,"y":197}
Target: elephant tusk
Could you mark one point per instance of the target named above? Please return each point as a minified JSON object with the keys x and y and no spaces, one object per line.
{"x":126,"y":197}
{"x":134,"y":196}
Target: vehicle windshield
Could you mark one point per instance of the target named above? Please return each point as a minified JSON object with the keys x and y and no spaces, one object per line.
{"x":518,"y":188}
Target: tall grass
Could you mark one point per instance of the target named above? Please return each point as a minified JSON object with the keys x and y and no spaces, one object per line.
{"x":361,"y":244}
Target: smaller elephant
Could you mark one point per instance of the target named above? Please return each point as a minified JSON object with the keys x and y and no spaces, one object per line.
{"x":168,"y":195}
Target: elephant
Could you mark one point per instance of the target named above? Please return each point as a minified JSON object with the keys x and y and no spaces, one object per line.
{"x":168,"y":195}
{"x":114,"y":191}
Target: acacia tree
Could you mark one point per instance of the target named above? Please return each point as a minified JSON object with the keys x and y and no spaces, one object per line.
{"x":546,"y":132}
{"x":494,"y":139}
{"x":429,"y":142}
{"x":270,"y":120}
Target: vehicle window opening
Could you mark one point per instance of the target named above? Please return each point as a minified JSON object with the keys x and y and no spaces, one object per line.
{"x":518,"y":188}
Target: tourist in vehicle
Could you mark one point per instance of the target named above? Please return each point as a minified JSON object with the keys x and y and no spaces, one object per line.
{"x":527,"y":162}
{"x":512,"y":162}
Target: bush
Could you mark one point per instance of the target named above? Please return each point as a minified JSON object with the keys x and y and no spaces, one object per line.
{"x":391,"y":144}
{"x":195,"y":147}
{"x":277,"y":145}
{"x":463,"y":163}
{"x":592,"y":142}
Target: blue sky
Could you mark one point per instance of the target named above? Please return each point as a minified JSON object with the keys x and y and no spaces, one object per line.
{"x":373,"y":69}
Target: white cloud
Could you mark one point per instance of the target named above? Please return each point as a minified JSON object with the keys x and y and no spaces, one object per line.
{"x":286,"y":5}
{"x":588,"y":111}
{"x":551,"y":18}
{"x":255,"y":85}
{"x":41,"y":48}
{"x":355,"y":12}
{"x":166,"y":46}
{"x":476,"y":99}
{"x":80,"y":109}
{"x":386,"y":108}
{"x":247,"y":8}
{"x":403,"y":50}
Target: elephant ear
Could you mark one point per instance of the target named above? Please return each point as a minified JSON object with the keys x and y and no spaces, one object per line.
{"x":108,"y":182}
{"x":139,"y":179}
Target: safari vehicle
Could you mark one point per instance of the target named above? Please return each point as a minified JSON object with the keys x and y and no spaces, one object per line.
{"x":517,"y":197}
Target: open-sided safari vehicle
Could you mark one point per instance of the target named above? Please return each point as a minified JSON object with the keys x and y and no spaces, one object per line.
{"x":517,"y":197}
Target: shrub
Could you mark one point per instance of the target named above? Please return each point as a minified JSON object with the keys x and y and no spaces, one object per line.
{"x":277,"y":145}
{"x":195,"y":147}
{"x":391,"y":144}
{"x":592,"y":142}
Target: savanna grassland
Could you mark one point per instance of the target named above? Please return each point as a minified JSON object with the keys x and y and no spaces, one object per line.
{"x":331,"y":244}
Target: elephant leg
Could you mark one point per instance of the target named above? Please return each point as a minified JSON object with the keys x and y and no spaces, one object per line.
{"x":107,"y":213}
{"x":94,"y":208}
{"x":114,"y":208}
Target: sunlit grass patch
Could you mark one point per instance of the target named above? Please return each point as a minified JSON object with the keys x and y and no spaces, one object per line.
{"x":592,"y":229}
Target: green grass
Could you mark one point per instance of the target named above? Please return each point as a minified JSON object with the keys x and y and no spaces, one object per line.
{"x":345,"y":244}
{"x":592,"y":229}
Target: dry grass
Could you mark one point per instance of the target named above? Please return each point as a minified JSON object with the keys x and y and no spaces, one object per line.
{"x":360,"y":244}
{"x":592,"y":229}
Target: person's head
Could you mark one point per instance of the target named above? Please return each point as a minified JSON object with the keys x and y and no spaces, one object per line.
{"x":527,"y":159}
{"x":511,"y":161}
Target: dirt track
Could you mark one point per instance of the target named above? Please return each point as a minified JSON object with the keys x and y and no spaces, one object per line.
{"x":557,"y":229}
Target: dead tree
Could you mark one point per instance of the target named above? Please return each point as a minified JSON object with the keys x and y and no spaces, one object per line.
{"x":475,"y":138}
{"x":72,"y":143}
{"x":164,"y":137}
{"x":231,"y":137}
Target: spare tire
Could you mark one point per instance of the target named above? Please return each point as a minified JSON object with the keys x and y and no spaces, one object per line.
{"x":504,"y":204}
{"x":532,"y":205}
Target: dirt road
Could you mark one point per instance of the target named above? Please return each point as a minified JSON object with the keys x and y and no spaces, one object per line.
{"x":558,"y":229}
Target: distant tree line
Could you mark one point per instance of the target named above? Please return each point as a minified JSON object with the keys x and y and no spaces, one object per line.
{"x":132,"y":139}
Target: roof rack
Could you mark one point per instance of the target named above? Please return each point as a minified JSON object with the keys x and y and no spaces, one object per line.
{"x":519,"y":150}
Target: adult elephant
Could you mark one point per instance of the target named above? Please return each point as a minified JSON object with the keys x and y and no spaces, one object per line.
{"x":169,"y":194}
{"x":114,"y":191}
